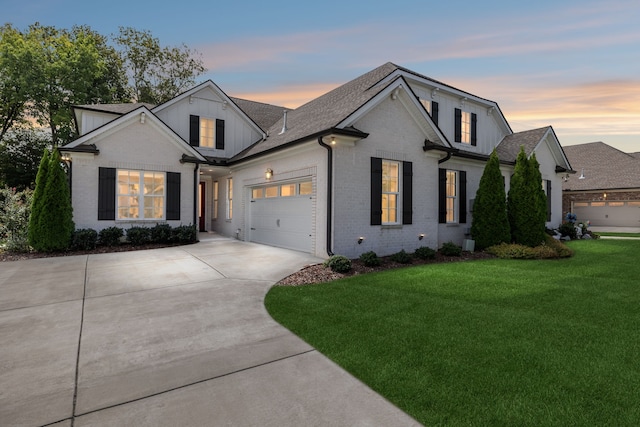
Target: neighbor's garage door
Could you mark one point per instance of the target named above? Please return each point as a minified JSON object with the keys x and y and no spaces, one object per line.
{"x":609,"y":214}
{"x":281,"y":215}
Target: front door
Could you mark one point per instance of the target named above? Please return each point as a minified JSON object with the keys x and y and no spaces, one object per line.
{"x":202,"y":204}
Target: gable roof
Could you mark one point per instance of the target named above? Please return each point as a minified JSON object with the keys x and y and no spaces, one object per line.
{"x":265,"y":115}
{"x":329,"y":112}
{"x":119,"y":109}
{"x":219,"y":92}
{"x":603,"y":168}
{"x":86,"y":141}
{"x":509,"y":148}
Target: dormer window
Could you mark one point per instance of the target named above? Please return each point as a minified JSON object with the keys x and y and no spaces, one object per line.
{"x":465,"y":127}
{"x":206,"y":132}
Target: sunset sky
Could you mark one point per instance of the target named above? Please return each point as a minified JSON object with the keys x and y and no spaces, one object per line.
{"x":571,"y":64}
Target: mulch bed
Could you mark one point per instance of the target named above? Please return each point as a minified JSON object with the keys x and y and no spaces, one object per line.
{"x":318,"y":273}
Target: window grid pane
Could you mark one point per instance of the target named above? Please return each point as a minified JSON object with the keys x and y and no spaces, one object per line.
{"x":207,"y":132}
{"x":466,"y":127}
{"x":305,"y":188}
{"x":390,"y":191}
{"x":140,"y":195}
{"x":451,"y":195}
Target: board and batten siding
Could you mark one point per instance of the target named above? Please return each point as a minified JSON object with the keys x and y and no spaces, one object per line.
{"x":238,"y":132}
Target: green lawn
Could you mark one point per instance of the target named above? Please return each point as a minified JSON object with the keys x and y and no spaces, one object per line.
{"x":616,"y":234}
{"x":491,"y":342}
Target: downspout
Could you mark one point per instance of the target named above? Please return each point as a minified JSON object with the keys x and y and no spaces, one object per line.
{"x":329,"y":194}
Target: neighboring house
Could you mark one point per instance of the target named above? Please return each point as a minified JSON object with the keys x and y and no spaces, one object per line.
{"x":388,"y":161}
{"x":606,"y":187}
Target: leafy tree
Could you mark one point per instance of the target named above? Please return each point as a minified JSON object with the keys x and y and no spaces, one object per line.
{"x":72,"y":67}
{"x":490,"y":224}
{"x":20,"y":154}
{"x":522,"y":204}
{"x":17,"y":74}
{"x":54,"y":213}
{"x":38,"y":200}
{"x":157,"y":73}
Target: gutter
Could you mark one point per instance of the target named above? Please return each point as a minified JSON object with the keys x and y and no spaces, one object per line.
{"x":428,"y":146}
{"x":329,"y":194}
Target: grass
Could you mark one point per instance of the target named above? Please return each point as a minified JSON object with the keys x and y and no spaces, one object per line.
{"x":616,"y":234}
{"x":491,"y":342}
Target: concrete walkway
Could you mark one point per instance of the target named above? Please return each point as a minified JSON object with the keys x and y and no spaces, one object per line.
{"x":166,"y":337}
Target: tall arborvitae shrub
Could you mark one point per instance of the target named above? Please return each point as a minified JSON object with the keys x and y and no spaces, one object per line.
{"x":522,"y":204}
{"x":540,"y":200}
{"x":490,"y":225}
{"x":35,"y":232}
{"x":55,"y":225}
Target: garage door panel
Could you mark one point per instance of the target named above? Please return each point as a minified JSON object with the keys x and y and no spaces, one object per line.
{"x":282,"y":221}
{"x":610,"y":214}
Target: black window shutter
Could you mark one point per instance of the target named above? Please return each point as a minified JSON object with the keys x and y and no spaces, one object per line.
{"x":458,"y":125}
{"x":548,"y":200}
{"x":376,"y":191}
{"x":407,"y":192}
{"x":173,"y":196}
{"x":219,"y":134}
{"x":434,"y":112}
{"x":442,"y":196}
{"x":194,"y":130}
{"x":106,"y":194}
{"x":462,"y":197}
{"x":474,"y":129}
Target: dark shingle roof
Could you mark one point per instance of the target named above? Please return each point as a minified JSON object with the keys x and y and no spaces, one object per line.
{"x":120,"y":109}
{"x":509,"y":147}
{"x":602,"y":166}
{"x":324,"y":112}
{"x":265,"y":115}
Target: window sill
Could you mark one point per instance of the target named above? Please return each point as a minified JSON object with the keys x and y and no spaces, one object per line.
{"x":391,"y":226}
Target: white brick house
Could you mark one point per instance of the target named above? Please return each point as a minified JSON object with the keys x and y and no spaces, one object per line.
{"x":388,"y":161}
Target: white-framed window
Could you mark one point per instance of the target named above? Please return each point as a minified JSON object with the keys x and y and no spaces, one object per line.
{"x":141,"y":195}
{"x":390,"y":191}
{"x":207,"y":132}
{"x":452,"y":195}
{"x":215,"y":199}
{"x":229,"y":198}
{"x":426,"y":104}
{"x":466,"y":128}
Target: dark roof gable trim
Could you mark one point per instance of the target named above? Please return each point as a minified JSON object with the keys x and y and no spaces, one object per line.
{"x":350,"y":131}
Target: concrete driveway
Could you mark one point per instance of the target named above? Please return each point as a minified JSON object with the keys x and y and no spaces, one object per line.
{"x":166,"y":337}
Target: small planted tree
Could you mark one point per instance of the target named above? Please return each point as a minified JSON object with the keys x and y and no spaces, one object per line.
{"x":540,"y":200}
{"x":54,"y":226}
{"x":527,"y":225}
{"x":37,"y":201}
{"x":490,"y":224}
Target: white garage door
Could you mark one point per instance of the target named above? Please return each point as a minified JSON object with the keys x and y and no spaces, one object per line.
{"x":281,"y":215}
{"x":609,"y":214}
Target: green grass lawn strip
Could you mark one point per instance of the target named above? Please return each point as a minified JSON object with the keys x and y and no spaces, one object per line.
{"x":492,"y":342}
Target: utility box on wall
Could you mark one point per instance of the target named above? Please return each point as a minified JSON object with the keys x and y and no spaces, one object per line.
{"x":468,"y":245}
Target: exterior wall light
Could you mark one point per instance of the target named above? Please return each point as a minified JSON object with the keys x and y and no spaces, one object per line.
{"x":420,"y":236}
{"x":268,"y":173}
{"x":360,"y":239}
{"x":333,"y":140}
{"x":142,"y":117}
